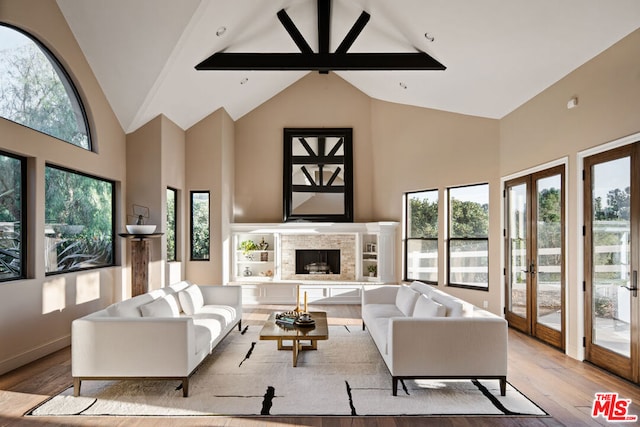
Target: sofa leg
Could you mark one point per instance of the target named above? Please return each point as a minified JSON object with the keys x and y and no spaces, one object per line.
{"x":185,"y":387}
{"x":240,"y":325}
{"x":363,"y":325}
{"x":76,"y":386}
{"x":394,"y":385}
{"x":503,"y":386}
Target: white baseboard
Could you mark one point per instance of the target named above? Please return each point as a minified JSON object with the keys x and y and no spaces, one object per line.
{"x":34,"y":354}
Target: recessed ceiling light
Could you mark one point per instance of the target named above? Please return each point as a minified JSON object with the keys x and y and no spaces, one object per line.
{"x":244,"y":80}
{"x":220,"y":31}
{"x":403,"y":85}
{"x":429,"y":37}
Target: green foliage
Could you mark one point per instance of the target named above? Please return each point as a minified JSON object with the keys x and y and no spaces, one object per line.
{"x":10,"y":216}
{"x":200,"y":227}
{"x":79,"y":210}
{"x":247,"y":246}
{"x":469,"y":219}
{"x":171,"y":225}
{"x":33,"y":94}
{"x":423,"y":218}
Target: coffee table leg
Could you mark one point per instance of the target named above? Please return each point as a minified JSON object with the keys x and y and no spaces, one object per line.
{"x":295,"y":350}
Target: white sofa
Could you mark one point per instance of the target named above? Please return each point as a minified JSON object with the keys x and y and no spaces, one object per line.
{"x":163,"y":334}
{"x":422,"y":332}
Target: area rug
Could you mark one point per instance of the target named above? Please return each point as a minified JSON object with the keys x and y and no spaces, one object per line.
{"x":246,"y":376}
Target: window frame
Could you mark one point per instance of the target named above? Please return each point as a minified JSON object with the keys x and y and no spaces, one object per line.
{"x":24,"y":244}
{"x":175,"y":225}
{"x":66,"y":80}
{"x":407,"y":238}
{"x":465,"y":239}
{"x":191,"y":205}
{"x":113,"y":218}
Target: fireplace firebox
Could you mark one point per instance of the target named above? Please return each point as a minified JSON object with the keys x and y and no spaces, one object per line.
{"x":317,"y":261}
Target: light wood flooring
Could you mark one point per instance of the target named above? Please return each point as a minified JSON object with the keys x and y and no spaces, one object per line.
{"x":562,"y":386}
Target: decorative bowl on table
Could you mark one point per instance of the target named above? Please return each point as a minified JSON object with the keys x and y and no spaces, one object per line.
{"x":140,"y":229}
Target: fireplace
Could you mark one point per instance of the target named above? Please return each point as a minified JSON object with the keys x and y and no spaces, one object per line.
{"x":317,"y":261}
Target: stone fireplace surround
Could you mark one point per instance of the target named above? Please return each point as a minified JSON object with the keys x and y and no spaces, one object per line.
{"x":346,"y":243}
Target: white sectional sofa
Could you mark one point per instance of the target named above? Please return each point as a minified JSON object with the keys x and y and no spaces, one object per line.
{"x":422,"y":332}
{"x":163,"y":334}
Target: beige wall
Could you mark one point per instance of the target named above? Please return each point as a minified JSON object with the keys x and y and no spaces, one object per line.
{"x":543,"y":130}
{"x":36,"y":314}
{"x":155,"y":160}
{"x":423,"y":149}
{"x":209,"y":157}
{"x":316,"y":100}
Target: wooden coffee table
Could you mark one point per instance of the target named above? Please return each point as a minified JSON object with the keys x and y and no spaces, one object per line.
{"x":296,"y":334}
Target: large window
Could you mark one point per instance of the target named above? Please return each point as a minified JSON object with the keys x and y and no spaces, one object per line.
{"x":421,"y":236}
{"x":79,"y":215}
{"x":35,"y":91}
{"x":468,"y":244}
{"x":12,"y":215}
{"x":171,"y":224}
{"x":200,"y":226}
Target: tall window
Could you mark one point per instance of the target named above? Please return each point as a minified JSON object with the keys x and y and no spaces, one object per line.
{"x":171,"y":224}
{"x":79,"y":215}
{"x":12,"y":217}
{"x":468,"y":247}
{"x":35,"y":91}
{"x":200,"y":226}
{"x":421,"y":236}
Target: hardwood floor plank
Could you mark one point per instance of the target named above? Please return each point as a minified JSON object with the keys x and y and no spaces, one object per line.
{"x":562,"y":386}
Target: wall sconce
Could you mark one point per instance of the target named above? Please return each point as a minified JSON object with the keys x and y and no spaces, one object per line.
{"x":573,"y":103}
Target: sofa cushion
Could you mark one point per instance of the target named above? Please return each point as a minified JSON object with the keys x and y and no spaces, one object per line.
{"x":166,"y":306}
{"x":130,"y":307}
{"x":225,"y":313}
{"x":427,"y":307}
{"x":423,"y":288}
{"x":191,"y":300}
{"x":406,"y":300}
{"x":454,"y":306}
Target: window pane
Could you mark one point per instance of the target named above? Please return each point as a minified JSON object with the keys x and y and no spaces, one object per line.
{"x":469,"y":231}
{"x":422,"y":260}
{"x":469,"y":210}
{"x":11,"y":218}
{"x":469,"y":263}
{"x":171,"y":224}
{"x":422,"y":214}
{"x":36,"y":92}
{"x":78,"y":221}
{"x":199,"y":225}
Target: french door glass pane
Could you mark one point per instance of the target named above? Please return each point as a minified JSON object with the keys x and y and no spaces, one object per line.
{"x":549,"y":250}
{"x":518,"y":249}
{"x":422,"y":260}
{"x":611,"y":305}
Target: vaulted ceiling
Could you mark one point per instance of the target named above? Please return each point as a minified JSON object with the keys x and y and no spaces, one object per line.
{"x":498,"y":53}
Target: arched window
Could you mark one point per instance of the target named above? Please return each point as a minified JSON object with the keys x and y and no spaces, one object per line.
{"x":35,"y":91}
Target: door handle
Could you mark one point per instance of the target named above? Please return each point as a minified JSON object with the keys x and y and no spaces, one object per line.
{"x":532,"y":269}
{"x":634,"y":283}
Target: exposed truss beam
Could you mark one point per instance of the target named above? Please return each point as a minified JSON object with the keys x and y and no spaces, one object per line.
{"x":323,"y":61}
{"x":320,"y":62}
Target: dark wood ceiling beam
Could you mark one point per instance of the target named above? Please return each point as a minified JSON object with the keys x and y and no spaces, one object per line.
{"x":324,"y":28}
{"x":320,"y":62}
{"x":293,"y":32}
{"x":353,"y":33}
{"x":324,"y":25}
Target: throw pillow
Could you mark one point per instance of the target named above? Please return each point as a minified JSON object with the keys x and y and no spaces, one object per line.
{"x":426,"y":307}
{"x":406,"y":300}
{"x":191,"y":300}
{"x":166,"y":306}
